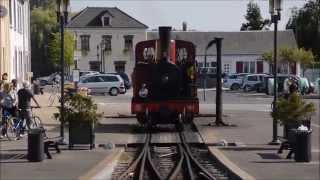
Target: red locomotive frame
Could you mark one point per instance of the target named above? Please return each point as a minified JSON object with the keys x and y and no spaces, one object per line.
{"x":148,"y":53}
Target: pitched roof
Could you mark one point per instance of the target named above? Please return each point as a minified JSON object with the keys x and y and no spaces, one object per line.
{"x":90,"y":17}
{"x":241,"y":42}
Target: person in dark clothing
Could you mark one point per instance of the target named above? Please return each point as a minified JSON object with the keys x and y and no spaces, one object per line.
{"x":24,"y":102}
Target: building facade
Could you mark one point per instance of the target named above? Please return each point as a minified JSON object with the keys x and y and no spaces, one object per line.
{"x":105,"y":39}
{"x":241,"y":51}
{"x":4,"y":37}
{"x":15,"y":40}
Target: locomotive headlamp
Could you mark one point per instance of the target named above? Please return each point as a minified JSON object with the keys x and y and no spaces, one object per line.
{"x":143,"y":92}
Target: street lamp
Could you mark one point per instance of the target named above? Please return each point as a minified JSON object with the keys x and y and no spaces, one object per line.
{"x":62,"y":7}
{"x":274,"y":9}
{"x":103,"y":48}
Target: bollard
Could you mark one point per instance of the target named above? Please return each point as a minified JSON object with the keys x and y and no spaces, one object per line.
{"x":35,"y":145}
{"x":303,"y":146}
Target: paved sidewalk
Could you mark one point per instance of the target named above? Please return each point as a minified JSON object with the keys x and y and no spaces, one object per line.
{"x":252,"y":133}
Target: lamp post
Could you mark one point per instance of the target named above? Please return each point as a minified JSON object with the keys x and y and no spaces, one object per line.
{"x":274,"y":9}
{"x":98,"y":55}
{"x":102,"y":47}
{"x":62,"y":7}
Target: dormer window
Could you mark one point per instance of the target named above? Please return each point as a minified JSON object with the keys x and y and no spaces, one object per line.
{"x":106,"y":21}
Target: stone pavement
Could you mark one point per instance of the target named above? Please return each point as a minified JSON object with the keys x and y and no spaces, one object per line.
{"x":252,"y":133}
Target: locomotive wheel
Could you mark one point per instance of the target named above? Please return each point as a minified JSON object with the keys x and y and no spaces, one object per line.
{"x":141,"y":118}
{"x":189,"y":118}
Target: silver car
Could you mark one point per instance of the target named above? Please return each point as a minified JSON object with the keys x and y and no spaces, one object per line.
{"x":103,"y":83}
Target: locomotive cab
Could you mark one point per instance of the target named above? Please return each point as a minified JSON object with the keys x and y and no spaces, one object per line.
{"x":164,"y":80}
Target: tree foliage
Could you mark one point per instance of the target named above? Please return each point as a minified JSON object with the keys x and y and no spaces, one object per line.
{"x":294,"y":109}
{"x":54,"y":48}
{"x":43,"y":22}
{"x":254,"y":18}
{"x":299,"y":55}
{"x":305,"y":23}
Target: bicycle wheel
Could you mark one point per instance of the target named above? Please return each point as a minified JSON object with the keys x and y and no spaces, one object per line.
{"x":11,"y":129}
{"x":36,"y":122}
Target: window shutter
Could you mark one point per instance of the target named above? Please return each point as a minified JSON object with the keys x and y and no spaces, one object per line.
{"x":239,"y":67}
{"x":259,"y":66}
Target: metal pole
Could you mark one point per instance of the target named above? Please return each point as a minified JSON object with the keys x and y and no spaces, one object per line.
{"x":205,"y":76}
{"x":219,"y":84}
{"x":62,"y":77}
{"x":275,"y":140}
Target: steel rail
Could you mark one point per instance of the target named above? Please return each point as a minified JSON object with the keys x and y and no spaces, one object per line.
{"x":128,"y":173}
{"x":193,"y":160}
{"x":178,"y":167}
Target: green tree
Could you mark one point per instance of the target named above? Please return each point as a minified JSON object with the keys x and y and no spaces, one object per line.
{"x":254,"y":18}
{"x":289,"y":55}
{"x":43,"y":23}
{"x":305,"y":23}
{"x":54,"y":48}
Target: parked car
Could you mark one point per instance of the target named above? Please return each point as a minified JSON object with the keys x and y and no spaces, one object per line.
{"x":234,"y":81}
{"x":317,"y":86}
{"x":103,"y":83}
{"x":304,"y":86}
{"x":85,"y":73}
{"x":125,"y":78}
{"x":48,"y":80}
{"x":252,"y":82}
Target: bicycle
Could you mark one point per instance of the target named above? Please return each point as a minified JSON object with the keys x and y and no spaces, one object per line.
{"x":16,"y":125}
{"x":7,"y":126}
{"x":55,"y":89}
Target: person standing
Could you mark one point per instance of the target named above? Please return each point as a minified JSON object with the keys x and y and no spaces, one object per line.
{"x":8,"y":100}
{"x":24,"y":102}
{"x":4,"y":77}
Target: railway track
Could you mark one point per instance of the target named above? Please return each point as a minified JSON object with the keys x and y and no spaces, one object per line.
{"x":169,"y":161}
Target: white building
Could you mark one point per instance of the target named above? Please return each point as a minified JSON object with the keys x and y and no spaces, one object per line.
{"x":20,"y":50}
{"x":105,"y":39}
{"x":241,"y":51}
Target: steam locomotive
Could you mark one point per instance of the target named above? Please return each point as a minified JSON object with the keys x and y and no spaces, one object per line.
{"x":164,"y":80}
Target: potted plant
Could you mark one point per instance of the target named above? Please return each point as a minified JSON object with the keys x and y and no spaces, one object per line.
{"x":292,"y":112}
{"x":80,"y":113}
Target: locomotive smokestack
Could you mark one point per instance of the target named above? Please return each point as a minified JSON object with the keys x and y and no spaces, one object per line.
{"x":164,"y":37}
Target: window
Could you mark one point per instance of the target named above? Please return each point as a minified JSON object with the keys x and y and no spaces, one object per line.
{"x":107,"y":42}
{"x":85,"y":46}
{"x":252,"y":78}
{"x":106,"y":21}
{"x":245,"y":67}
{"x":252,"y":67}
{"x":10,"y":12}
{"x":110,"y":78}
{"x":226,"y":68}
{"x":213,"y":64}
{"x":128,"y":42}
{"x":94,"y":65}
{"x":232,"y":77}
{"x":92,"y":79}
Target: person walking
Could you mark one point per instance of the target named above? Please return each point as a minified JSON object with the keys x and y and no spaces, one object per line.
{"x":24,"y":102}
{"x":7,"y":102}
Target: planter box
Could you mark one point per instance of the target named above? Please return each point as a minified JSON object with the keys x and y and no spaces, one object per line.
{"x":81,"y":133}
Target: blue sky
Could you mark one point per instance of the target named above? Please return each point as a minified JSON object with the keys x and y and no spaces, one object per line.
{"x":205,"y":15}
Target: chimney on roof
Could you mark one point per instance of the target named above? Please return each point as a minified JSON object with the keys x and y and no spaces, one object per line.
{"x":184,"y":26}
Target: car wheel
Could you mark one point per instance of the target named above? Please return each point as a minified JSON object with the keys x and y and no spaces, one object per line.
{"x":235,"y":87}
{"x":246,"y":89}
{"x":114,"y":91}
